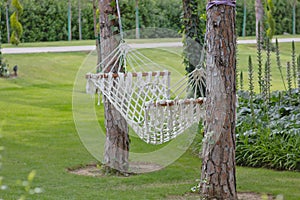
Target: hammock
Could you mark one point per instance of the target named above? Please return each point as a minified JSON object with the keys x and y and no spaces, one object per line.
{"x":156,"y":111}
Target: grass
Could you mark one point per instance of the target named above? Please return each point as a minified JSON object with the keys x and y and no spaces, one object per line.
{"x":245,"y":50}
{"x":39,"y":133}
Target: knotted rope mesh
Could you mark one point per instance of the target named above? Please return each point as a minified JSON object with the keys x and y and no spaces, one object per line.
{"x":156,"y":110}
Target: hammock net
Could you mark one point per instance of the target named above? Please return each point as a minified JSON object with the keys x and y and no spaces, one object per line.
{"x":157,"y":108}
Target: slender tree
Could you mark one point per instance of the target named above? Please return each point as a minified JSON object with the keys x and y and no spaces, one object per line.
{"x":79,"y":20}
{"x":17,"y":29}
{"x":294,"y":5}
{"x":69,"y":20}
{"x":218,"y":179}
{"x":244,"y":18}
{"x":7,"y":20}
{"x":97,"y":31}
{"x":137,"y":21}
{"x":269,"y":8}
{"x":117,"y":138}
{"x":259,"y":14}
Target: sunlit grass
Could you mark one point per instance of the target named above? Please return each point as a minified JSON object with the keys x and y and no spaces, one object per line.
{"x":39,"y":133}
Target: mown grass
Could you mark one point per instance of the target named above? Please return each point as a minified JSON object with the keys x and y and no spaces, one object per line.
{"x":39,"y":133}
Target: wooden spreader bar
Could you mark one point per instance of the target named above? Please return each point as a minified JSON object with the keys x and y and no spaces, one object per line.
{"x":173,"y":102}
{"x":115,"y":75}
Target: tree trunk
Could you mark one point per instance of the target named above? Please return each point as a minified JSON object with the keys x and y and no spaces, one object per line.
{"x":69,"y":21}
{"x":96,"y":32}
{"x":218,"y":180}
{"x":294,"y":16}
{"x":7,"y":21}
{"x":259,"y":13}
{"x":244,"y":18}
{"x":79,"y":20}
{"x":137,"y":23}
{"x":117,"y":139}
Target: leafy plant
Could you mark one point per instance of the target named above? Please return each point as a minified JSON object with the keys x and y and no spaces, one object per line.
{"x":294,"y":64}
{"x":289,"y":77}
{"x":241,"y":80}
{"x":273,"y":143}
{"x":251,"y":87}
{"x":259,"y":59}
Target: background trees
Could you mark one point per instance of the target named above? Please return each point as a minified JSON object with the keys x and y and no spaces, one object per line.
{"x":47,"y":20}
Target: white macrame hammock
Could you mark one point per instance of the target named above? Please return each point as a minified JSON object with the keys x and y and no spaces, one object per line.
{"x":156,"y":111}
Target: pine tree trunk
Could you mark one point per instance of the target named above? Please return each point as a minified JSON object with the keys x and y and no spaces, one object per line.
{"x":117,"y":139}
{"x":7,"y":21}
{"x":218,"y":180}
{"x":259,"y":13}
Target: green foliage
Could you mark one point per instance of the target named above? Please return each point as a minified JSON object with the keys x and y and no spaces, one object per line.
{"x":259,"y":59}
{"x":289,"y":77}
{"x":241,"y":80}
{"x":294,"y":67}
{"x":251,"y":86}
{"x":274,"y":142}
{"x":45,"y":20}
{"x":269,"y":10}
{"x":16,"y":26}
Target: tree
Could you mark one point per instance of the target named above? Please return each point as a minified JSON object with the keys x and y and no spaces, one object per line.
{"x":69,"y":20}
{"x":79,"y":20}
{"x":259,"y":14}
{"x":7,"y":20}
{"x":244,"y":19}
{"x":269,"y":8}
{"x":17,"y":29}
{"x":294,"y":4}
{"x":218,"y":180}
{"x":137,"y":22}
{"x":117,"y":138}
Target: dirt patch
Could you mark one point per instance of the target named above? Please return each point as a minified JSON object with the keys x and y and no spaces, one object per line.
{"x":241,"y":196}
{"x":95,"y":170}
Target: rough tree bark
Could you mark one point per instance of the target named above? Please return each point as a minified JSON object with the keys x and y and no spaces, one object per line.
{"x":259,"y":14}
{"x":218,"y":180}
{"x":117,"y":139}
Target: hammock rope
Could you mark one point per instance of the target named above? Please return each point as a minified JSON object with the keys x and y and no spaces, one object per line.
{"x":156,"y":110}
{"x":154,"y":106}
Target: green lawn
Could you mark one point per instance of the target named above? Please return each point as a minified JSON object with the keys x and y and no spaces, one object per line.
{"x":38,"y":132}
